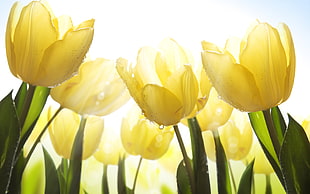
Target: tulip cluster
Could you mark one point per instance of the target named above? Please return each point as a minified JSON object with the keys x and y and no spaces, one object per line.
{"x":171,"y":90}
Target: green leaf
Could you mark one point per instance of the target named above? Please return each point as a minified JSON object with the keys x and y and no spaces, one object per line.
{"x":9,"y":139}
{"x":200,"y":161}
{"x":182,"y":179}
{"x":223,"y":179}
{"x":74,"y":174}
{"x":51,"y":177}
{"x":260,"y":128}
{"x":246,"y":180}
{"x":295,"y":159}
{"x":37,"y":104}
{"x":121,"y":177}
{"x":62,"y":172}
{"x":104,"y":183}
{"x":278,"y":122}
{"x":20,"y":98}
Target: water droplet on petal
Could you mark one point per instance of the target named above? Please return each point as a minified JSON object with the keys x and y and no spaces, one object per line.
{"x":218,"y":111}
{"x":161,"y":127}
{"x":100,"y":96}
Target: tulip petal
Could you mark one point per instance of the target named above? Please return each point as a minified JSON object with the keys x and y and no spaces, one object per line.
{"x":67,"y":55}
{"x":183,"y":83}
{"x":93,"y":132}
{"x":131,"y":80}
{"x":288,"y":45}
{"x":265,"y":58}
{"x":34,"y":33}
{"x":215,"y":113}
{"x":171,"y":57}
{"x":145,"y":68}
{"x":10,"y":31}
{"x":161,"y":105}
{"x":234,"y":83}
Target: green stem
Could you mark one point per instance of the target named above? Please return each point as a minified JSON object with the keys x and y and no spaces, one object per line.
{"x":272,"y":131}
{"x":268,"y":185}
{"x":136,"y":176}
{"x":232,"y":177}
{"x":186,"y":159}
{"x":74,"y":176}
{"x":26,"y":105}
{"x":40,"y":136}
{"x":104,"y":184}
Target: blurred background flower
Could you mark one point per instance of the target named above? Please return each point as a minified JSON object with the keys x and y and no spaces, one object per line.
{"x":97,"y":89}
{"x":64,"y":127}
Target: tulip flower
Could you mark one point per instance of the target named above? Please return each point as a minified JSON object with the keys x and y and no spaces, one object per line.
{"x":236,"y":137}
{"x":97,"y":89}
{"x":42,"y":49}
{"x":162,"y":83}
{"x":215,"y":113}
{"x":256,"y":73}
{"x":145,"y":138}
{"x":110,"y":148}
{"x":64,"y":127}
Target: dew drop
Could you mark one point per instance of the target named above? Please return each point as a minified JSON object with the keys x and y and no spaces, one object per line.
{"x":100,"y":96}
{"x":218,"y":111}
{"x":161,"y":127}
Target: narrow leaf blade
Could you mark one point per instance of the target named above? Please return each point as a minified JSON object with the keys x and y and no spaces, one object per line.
{"x":223,"y":178}
{"x":246,"y":180}
{"x":51,"y":177}
{"x":200,"y":161}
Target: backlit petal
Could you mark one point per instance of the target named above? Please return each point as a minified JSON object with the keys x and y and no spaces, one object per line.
{"x":183,"y":83}
{"x":34,"y":33}
{"x":233,"y":82}
{"x":265,"y":58}
{"x":161,"y":105}
{"x":67,"y":55}
{"x":288,"y":45}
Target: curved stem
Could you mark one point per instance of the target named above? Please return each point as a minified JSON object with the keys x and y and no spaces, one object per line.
{"x":136,"y":176}
{"x":40,"y":136}
{"x":186,"y":159}
{"x":272,"y":131}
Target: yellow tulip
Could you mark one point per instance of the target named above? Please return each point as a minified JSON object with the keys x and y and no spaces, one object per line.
{"x":110,"y":148}
{"x":142,"y":137}
{"x":215,"y":113}
{"x":64,"y":127}
{"x":42,"y":49}
{"x":236,"y":136}
{"x":97,"y":89}
{"x":162,"y":82}
{"x":256,"y":73}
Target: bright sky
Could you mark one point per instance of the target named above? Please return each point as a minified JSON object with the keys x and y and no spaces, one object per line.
{"x":123,"y":26}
